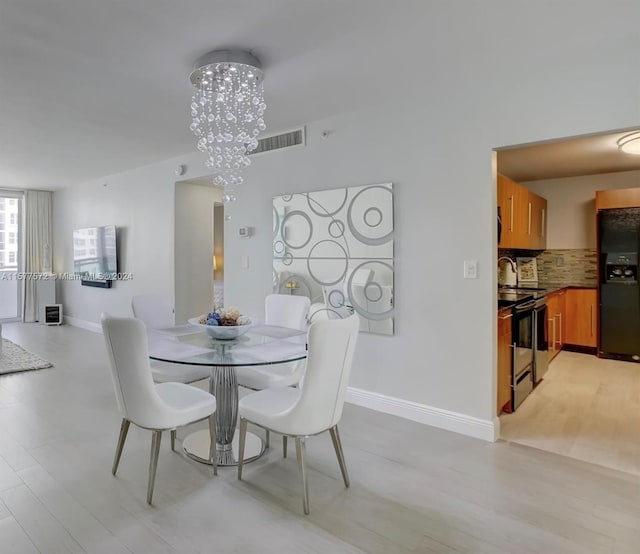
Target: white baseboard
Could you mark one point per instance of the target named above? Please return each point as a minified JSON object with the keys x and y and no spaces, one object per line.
{"x":83,"y":324}
{"x":436,"y":417}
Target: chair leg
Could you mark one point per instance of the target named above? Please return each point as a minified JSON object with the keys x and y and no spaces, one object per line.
{"x":284,"y":446}
{"x":267,"y":439}
{"x":124,"y":428}
{"x":173,"y":440}
{"x":213,"y":453}
{"x":300,"y":453}
{"x":243,"y":436}
{"x":153,"y":463}
{"x":337,"y":445}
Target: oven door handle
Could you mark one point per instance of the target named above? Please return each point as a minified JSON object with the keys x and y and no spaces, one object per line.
{"x":524,"y":307}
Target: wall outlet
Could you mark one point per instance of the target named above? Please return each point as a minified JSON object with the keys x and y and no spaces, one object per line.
{"x":471,"y":269}
{"x":559,"y":261}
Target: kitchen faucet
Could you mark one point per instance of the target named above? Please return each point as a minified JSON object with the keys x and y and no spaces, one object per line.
{"x":508,"y":277}
{"x":513,"y":264}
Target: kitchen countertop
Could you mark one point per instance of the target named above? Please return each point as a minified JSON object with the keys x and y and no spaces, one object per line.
{"x":553,"y":287}
{"x":508,"y":297}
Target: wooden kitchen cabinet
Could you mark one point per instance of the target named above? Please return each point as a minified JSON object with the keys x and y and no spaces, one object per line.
{"x":537,"y":221}
{"x":556,"y":322}
{"x":505,"y":359}
{"x":581,"y":317}
{"x":562,"y":318}
{"x":617,"y":198}
{"x":523,"y":216}
{"x":508,"y":204}
{"x":552,"y":308}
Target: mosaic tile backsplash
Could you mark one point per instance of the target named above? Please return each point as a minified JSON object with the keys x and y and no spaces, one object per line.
{"x":573,"y":267}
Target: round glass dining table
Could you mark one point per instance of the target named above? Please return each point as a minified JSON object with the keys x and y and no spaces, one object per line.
{"x":262,"y":345}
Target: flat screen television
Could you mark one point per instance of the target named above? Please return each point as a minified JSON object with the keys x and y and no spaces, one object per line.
{"x":95,"y":254}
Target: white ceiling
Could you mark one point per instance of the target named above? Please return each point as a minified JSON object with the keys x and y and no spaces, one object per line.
{"x":93,"y":87}
{"x":570,"y":157}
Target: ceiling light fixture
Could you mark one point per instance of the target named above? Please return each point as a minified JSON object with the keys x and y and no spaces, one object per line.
{"x":227,"y":111}
{"x":630,"y":144}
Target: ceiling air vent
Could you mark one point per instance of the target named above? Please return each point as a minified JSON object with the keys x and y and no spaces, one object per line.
{"x":285,"y":140}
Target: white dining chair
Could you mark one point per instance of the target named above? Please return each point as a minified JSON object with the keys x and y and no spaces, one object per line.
{"x":315,"y":408}
{"x":158,"y":408}
{"x":283,"y":310}
{"x":286,"y":310}
{"x":156,"y":313}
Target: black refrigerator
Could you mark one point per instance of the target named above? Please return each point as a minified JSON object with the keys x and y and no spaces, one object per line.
{"x":619,"y":236}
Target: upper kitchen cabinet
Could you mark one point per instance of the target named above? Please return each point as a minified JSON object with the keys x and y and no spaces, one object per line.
{"x":523,"y":216}
{"x":617,"y":198}
{"x":537,"y":221}
{"x":511,"y":204}
{"x":505,"y":212}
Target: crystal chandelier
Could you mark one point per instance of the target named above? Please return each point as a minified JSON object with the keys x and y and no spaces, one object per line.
{"x":227,"y":111}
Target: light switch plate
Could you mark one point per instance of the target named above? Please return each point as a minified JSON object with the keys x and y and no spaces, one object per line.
{"x":244,"y":262}
{"x":471,"y":269}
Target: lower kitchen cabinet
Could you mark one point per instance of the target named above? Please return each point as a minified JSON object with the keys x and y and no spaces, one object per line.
{"x":505,"y":359}
{"x":556,"y":321}
{"x":581,"y":317}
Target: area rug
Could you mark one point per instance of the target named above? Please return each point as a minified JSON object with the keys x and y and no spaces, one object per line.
{"x":14,"y":358}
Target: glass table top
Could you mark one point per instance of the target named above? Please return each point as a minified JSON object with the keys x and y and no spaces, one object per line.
{"x":261,"y":345}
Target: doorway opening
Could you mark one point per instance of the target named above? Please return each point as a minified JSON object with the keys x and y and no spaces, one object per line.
{"x":555,"y":389}
{"x":218,"y":255}
{"x":199,"y":248}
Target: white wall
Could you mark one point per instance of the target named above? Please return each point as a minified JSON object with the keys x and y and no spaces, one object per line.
{"x":571,"y":206}
{"x":495,"y":74}
{"x":141,"y":204}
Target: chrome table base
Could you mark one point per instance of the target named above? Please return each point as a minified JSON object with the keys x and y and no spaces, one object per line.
{"x":196,"y":447}
{"x":224,"y":386}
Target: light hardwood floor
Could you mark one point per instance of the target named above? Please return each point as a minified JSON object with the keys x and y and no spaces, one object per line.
{"x":415,"y":489}
{"x":586,"y":408}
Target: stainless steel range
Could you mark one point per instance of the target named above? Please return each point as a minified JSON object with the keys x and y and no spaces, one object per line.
{"x":523,"y":345}
{"x":530,"y":339}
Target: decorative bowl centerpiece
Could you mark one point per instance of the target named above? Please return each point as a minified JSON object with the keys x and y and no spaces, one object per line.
{"x":223,"y":324}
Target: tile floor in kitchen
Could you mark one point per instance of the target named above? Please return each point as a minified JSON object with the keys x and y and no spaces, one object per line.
{"x":587,"y":408}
